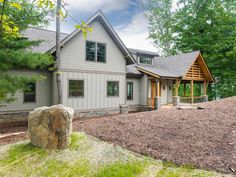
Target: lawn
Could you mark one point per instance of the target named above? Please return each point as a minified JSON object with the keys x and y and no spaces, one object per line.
{"x":88,"y":157}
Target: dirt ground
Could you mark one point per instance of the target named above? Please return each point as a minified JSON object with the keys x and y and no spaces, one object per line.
{"x":204,"y":138}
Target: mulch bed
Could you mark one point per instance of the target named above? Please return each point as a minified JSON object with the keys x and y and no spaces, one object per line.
{"x":204,"y":138}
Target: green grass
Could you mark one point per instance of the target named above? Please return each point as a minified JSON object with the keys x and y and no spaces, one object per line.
{"x":87,"y":157}
{"x":129,"y":169}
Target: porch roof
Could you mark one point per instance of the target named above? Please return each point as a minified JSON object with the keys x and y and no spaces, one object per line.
{"x":173,"y":66}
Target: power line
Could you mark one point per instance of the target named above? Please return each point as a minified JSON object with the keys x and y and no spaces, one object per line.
{"x":67,"y":13}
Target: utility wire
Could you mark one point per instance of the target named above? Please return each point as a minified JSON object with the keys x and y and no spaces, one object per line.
{"x":67,"y":13}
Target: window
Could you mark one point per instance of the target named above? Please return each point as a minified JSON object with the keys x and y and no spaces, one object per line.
{"x":130,"y":91}
{"x":145,"y":59}
{"x":30,"y":93}
{"x":76,"y":88}
{"x":112,"y":88}
{"x":101,"y":52}
{"x":90,"y":51}
{"x":95,"y":51}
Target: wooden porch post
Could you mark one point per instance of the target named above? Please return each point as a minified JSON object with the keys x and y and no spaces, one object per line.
{"x":184,"y":88}
{"x":177,"y":82}
{"x":205,"y":87}
{"x":158,"y":88}
{"x":192,"y":91}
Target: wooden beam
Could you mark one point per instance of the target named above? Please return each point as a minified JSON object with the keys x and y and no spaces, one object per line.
{"x":192,"y":91}
{"x":158,"y":88}
{"x":204,"y":88}
{"x":177,"y":82}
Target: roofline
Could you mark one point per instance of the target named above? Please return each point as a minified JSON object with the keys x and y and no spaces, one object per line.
{"x":148,"y":72}
{"x":91,"y":19}
{"x":132,"y":50}
{"x":38,"y":28}
{"x":199,"y":54}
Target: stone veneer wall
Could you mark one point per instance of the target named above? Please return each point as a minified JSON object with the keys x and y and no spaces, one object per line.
{"x":13,"y":117}
{"x":22,"y":117}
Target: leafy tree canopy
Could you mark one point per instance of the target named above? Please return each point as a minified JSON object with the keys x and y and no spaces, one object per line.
{"x":16,"y":16}
{"x":208,"y":26}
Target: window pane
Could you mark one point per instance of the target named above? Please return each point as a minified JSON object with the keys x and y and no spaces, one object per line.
{"x":112,"y":88}
{"x":29,"y":94}
{"x":145,"y":59}
{"x":90,"y":51}
{"x":101,"y":52}
{"x":76,"y":88}
{"x":130,"y":91}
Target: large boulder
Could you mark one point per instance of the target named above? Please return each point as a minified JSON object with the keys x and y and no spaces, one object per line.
{"x":50,"y":127}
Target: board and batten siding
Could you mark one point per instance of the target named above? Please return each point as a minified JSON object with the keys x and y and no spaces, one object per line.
{"x":143,"y":94}
{"x":43,"y":94}
{"x":73,"y":53}
{"x":136,"y":92}
{"x":95,"y":91}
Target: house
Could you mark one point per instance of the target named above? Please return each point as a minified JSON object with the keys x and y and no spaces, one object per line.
{"x":99,"y":74}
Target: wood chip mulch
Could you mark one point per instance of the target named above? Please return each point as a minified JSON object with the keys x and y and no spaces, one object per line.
{"x":204,"y":138}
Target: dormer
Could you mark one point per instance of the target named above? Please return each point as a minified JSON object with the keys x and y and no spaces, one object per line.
{"x":143,"y":57}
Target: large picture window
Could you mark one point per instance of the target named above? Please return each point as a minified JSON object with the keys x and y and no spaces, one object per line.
{"x":95,"y":51}
{"x":30,"y":93}
{"x":145,"y":59}
{"x":76,"y":88}
{"x":130,"y":91}
{"x":112,"y":88}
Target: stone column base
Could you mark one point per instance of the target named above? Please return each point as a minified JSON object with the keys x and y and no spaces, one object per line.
{"x":205,"y":98}
{"x":176,"y":100}
{"x":157,"y":103}
{"x":124,"y":109}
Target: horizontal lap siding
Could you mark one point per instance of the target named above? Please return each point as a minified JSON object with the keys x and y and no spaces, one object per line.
{"x":135,"y":100}
{"x":95,"y":93}
{"x":43,"y":94}
{"x":73,"y":54}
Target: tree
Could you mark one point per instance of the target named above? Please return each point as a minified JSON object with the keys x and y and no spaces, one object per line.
{"x":209,"y":26}
{"x":13,"y":47}
{"x":160,"y":27}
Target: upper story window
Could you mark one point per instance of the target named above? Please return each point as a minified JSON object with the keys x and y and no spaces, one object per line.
{"x":95,"y":51}
{"x":30,"y":93}
{"x":143,"y":59}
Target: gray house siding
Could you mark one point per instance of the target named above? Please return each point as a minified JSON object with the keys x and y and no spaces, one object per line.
{"x":95,"y":91}
{"x":143,"y":94}
{"x":136,"y":91}
{"x":43,"y":94}
{"x":95,"y":74}
{"x":73,"y":53}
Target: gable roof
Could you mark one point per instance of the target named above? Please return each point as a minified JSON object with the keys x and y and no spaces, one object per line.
{"x":145,"y":52}
{"x":173,"y":66}
{"x":47,"y":37}
{"x":100,"y":16}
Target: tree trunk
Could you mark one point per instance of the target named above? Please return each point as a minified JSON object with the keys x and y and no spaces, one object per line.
{"x":58,"y":55}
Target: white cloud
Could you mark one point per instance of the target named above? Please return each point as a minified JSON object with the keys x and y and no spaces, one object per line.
{"x":94,"y":5}
{"x":135,"y":34}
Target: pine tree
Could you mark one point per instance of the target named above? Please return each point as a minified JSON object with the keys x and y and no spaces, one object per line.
{"x":14,"y":48}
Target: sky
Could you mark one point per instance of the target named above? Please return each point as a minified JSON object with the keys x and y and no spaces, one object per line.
{"x":126,"y":16}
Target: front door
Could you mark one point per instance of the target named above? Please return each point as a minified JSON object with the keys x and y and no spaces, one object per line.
{"x":153,"y":91}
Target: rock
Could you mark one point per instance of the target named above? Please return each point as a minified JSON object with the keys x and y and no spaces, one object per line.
{"x":50,"y":127}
